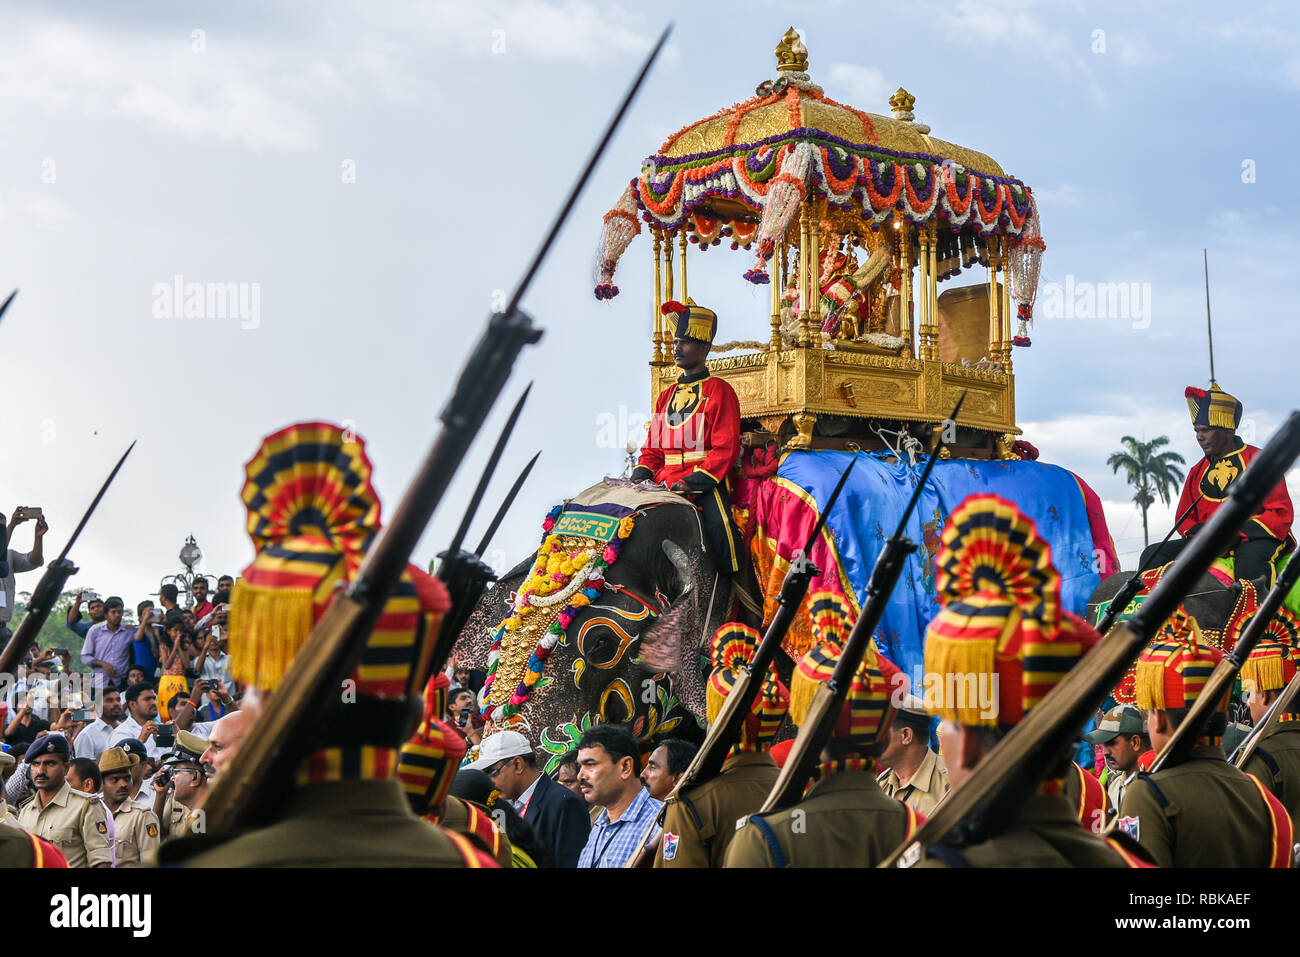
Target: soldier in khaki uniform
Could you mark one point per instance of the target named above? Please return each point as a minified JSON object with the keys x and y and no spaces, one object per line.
{"x":1197,"y":810}
{"x":312,"y":515}
{"x":1265,"y":674}
{"x":71,"y":821}
{"x":1001,"y":622}
{"x":135,"y":830}
{"x":907,"y":749}
{"x":700,"y":824}
{"x":844,"y":820}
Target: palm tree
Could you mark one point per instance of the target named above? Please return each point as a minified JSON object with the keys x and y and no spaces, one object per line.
{"x":1151,"y":472}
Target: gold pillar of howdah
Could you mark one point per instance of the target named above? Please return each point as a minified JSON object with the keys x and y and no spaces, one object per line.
{"x":995,"y":314}
{"x":774,"y":270}
{"x":668,"y":293}
{"x":919,"y":292}
{"x":658,"y":296}
{"x":681,"y":245}
{"x":905,"y":293}
{"x":933,"y":294}
{"x":814,"y":274}
{"x":1006,"y":305}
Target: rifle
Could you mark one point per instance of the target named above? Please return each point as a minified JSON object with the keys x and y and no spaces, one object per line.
{"x":311,"y":684}
{"x":1134,"y":584}
{"x":1010,"y":773}
{"x":1224,"y":675}
{"x":48,"y":589}
{"x":464,"y":573}
{"x":1279,"y":707}
{"x":824,"y":712}
{"x":726,"y":728}
{"x":467,"y":576}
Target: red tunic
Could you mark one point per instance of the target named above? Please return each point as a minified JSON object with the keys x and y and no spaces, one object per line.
{"x":1214,"y":480}
{"x":694,"y":433}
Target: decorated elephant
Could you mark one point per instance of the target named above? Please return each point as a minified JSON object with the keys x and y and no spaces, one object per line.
{"x":621,"y":604}
{"x":628,"y":649}
{"x":1212,"y":601}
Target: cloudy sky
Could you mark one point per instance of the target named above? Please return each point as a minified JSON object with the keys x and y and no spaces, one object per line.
{"x":379,"y":171}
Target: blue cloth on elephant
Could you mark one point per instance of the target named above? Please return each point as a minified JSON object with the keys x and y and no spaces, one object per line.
{"x":873,"y":500}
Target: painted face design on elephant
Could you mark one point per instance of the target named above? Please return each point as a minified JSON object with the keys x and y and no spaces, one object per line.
{"x":630,"y":656}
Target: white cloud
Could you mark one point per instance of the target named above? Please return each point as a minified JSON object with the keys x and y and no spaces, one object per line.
{"x":38,"y":208}
{"x":863,"y":87}
{"x":240,"y":93}
{"x":1063,"y":195}
{"x":1134,"y":50}
{"x":1291,"y":73}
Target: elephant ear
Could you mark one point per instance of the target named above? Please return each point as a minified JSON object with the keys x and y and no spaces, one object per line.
{"x":661,"y":643}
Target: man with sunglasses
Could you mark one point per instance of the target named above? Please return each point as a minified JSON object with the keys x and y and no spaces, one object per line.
{"x":557,"y":815}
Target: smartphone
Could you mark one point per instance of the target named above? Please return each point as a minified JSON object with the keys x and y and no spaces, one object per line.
{"x":83,"y":714}
{"x":166,"y":735}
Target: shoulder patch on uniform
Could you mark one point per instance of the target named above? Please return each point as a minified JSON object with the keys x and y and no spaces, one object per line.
{"x":1130,"y":826}
{"x":151,"y":830}
{"x":671,"y":843}
{"x":101,"y":827}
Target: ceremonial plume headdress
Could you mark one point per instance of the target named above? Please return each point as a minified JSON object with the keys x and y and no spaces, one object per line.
{"x":1001,"y":640}
{"x":868,"y":709}
{"x":312,"y":514}
{"x":734,"y":645}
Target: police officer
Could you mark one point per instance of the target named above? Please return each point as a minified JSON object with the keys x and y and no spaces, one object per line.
{"x":700,"y":824}
{"x":845,"y":820}
{"x":1197,"y":810}
{"x":135,"y":830}
{"x":1000,"y":617}
{"x":73,"y":822}
{"x":907,"y":755}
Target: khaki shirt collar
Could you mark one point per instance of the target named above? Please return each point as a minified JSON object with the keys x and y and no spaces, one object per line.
{"x":60,"y":798}
{"x":922,"y":779}
{"x":745,"y":759}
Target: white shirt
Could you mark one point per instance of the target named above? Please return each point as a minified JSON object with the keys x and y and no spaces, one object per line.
{"x":130,"y":728}
{"x":521,"y":805}
{"x":93,"y":739}
{"x":43,"y":690}
{"x":18,"y":562}
{"x":218,"y":668}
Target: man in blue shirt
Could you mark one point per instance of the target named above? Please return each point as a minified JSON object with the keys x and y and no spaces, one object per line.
{"x":609,"y":775}
{"x":107,"y":651}
{"x":94,"y":607}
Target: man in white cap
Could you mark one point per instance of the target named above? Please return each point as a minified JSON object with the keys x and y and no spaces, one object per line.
{"x":557,"y":815}
{"x":916,"y":776}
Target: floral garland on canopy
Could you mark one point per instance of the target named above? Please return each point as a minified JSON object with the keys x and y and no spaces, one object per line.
{"x":564,"y":578}
{"x":873,"y":179}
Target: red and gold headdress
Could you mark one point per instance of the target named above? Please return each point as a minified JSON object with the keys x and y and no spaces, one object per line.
{"x":734,"y":645}
{"x":427,"y":762}
{"x":867,"y":711}
{"x":1272,"y":664}
{"x":1000,"y":630}
{"x":312,"y":513}
{"x":1175,"y":665}
{"x":1213,"y":408}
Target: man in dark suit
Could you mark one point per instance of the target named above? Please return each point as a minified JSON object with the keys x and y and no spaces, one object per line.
{"x":558,"y":816}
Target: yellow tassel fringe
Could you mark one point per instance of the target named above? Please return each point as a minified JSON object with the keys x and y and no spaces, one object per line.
{"x":1262,"y":674}
{"x":267,"y":628}
{"x":949,"y":662}
{"x":1149,"y":683}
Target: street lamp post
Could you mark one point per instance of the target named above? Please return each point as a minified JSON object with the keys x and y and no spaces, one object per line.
{"x":190,"y":556}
